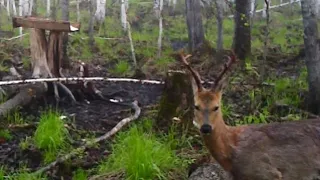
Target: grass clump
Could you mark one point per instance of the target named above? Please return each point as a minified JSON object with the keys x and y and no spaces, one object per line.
{"x":121,"y":68}
{"x":80,"y":174}
{"x":50,"y":135}
{"x":141,"y":155}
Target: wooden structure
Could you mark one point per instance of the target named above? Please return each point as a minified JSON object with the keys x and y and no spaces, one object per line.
{"x":43,"y":49}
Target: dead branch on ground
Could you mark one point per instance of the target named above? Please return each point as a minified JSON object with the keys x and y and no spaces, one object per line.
{"x":25,"y":95}
{"x":88,"y":144}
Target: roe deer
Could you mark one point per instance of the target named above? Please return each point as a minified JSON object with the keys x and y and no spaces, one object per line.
{"x":274,"y":151}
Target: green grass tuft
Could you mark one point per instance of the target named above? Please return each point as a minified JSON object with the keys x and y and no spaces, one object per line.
{"x":140,"y":155}
{"x":50,"y":135}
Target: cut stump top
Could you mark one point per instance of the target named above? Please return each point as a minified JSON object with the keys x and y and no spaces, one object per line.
{"x":46,"y":24}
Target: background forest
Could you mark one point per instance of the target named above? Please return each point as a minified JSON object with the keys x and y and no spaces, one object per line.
{"x":275,"y":80}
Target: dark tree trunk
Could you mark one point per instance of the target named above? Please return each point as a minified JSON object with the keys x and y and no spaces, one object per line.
{"x":34,"y":8}
{"x":176,"y":101}
{"x":308,"y":9}
{"x":194,"y":23}
{"x":242,"y":36}
{"x":64,"y":36}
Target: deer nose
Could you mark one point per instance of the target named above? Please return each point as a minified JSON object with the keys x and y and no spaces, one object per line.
{"x":206,"y":129}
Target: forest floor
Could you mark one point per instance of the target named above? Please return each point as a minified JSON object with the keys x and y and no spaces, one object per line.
{"x":98,"y":117}
{"x":251,"y":97}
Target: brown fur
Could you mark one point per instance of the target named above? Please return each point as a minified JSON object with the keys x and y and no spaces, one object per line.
{"x":275,"y":151}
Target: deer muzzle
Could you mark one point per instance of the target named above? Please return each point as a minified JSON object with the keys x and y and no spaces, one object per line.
{"x":206,"y":128}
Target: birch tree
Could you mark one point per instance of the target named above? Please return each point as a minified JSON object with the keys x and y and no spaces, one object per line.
{"x":194,"y":24}
{"x":312,"y":59}
{"x":264,"y":12}
{"x":48,"y":8}
{"x":1,"y":3}
{"x":124,"y":6}
{"x":100,"y":11}
{"x":242,"y":36}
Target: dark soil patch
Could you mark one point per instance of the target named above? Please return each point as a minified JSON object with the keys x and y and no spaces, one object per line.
{"x":88,"y":118}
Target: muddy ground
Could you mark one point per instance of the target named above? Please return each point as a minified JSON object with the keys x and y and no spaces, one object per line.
{"x":98,"y":116}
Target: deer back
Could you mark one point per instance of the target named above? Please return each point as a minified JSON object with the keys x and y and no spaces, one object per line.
{"x":286,"y":151}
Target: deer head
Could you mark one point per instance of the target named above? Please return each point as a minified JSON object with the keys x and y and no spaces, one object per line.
{"x":207,"y":110}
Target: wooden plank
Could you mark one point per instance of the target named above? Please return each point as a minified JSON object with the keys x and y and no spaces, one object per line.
{"x":46,"y":24}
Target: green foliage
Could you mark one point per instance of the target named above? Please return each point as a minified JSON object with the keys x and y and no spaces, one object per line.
{"x":141,"y":155}
{"x":50,"y":135}
{"x":14,"y":117}
{"x":122,"y":68}
{"x":5,"y":134}
{"x":79,"y":174}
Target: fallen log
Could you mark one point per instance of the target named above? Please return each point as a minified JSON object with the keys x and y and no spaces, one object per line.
{"x":24,"y":97}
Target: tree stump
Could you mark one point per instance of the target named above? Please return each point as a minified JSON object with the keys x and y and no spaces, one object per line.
{"x":46,"y":57}
{"x":176,"y":101}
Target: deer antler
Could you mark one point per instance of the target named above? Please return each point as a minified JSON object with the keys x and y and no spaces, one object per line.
{"x":193,"y":72}
{"x":227,"y":65}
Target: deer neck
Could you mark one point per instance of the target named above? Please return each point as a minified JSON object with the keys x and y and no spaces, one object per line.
{"x":221,"y":142}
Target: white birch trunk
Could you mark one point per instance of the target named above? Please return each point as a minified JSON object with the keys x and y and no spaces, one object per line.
{"x":264,"y":13}
{"x":25,"y":7}
{"x":174,"y":3}
{"x":14,"y":9}
{"x":253,"y":4}
{"x":123,"y":15}
{"x":8,"y":7}
{"x":30,"y":7}
{"x":48,"y":8}
{"x":100,"y":11}
{"x":20,"y":13}
{"x":2,"y":2}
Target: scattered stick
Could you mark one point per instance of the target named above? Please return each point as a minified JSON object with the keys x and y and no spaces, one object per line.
{"x":16,"y":37}
{"x":97,"y":140}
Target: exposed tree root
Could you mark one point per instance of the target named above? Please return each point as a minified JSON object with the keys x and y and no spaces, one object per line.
{"x":24,"y":97}
{"x":88,"y":144}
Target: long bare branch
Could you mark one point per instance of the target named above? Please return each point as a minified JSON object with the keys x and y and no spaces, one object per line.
{"x":113,"y":131}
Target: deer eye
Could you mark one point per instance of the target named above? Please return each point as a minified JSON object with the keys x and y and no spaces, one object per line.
{"x":196,"y":107}
{"x":215,"y":108}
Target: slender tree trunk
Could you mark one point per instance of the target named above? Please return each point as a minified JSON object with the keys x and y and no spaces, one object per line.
{"x":123,"y":15}
{"x":91,"y":22}
{"x":242,"y":36}
{"x":64,"y":35}
{"x":78,"y":10}
{"x":53,"y":14}
{"x":194,"y":23}
{"x":34,"y":8}
{"x":48,"y":8}
{"x":219,"y":15}
{"x":311,"y":45}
